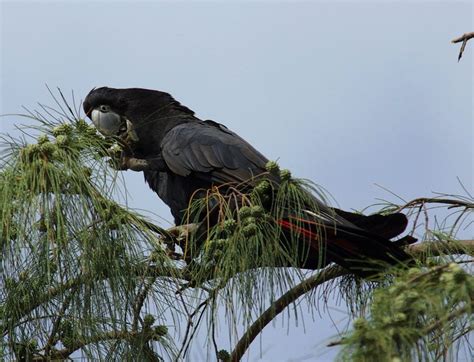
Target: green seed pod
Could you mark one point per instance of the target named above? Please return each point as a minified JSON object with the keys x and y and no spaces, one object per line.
{"x":229,"y":225}
{"x":249,"y":230}
{"x":256,"y":211}
{"x":411,"y":295}
{"x":58,"y":154}
{"x":148,"y":320}
{"x":161,"y":331}
{"x":62,"y":129}
{"x":221,"y":243}
{"x":263,"y":188}
{"x":360,"y":323}
{"x":217,"y":254}
{"x":67,"y":341}
{"x":10,"y":283}
{"x":82,"y":125}
{"x":48,"y":148}
{"x":446,"y":277}
{"x":386,"y":320}
{"x":399,"y":317}
{"x":272,"y":167}
{"x":223,"y":355}
{"x":33,"y":344}
{"x":285,"y":175}
{"x":43,"y":139}
{"x":91,"y":130}
{"x":62,"y":140}
{"x":249,"y":220}
{"x":244,"y":212}
{"x":216,"y":244}
{"x":399,"y":302}
{"x":31,"y":148}
{"x":460,"y":276}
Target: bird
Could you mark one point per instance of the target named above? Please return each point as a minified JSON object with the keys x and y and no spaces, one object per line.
{"x":183,"y":157}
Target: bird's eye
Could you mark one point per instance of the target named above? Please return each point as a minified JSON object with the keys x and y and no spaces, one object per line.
{"x":104,"y":108}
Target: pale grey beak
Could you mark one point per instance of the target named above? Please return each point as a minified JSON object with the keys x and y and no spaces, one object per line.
{"x":108,"y":123}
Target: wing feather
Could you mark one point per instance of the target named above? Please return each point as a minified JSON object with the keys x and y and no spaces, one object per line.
{"x":210,"y":152}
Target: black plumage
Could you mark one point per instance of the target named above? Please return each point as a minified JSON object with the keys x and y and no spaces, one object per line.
{"x":185,"y":155}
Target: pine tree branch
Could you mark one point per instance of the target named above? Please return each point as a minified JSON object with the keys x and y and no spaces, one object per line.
{"x":453,"y":315}
{"x":54,"y":330}
{"x":139,"y":300}
{"x":434,"y":200}
{"x":437,"y":248}
{"x":143,"y":336}
{"x":421,"y":250}
{"x":280,"y":304}
{"x":53,"y":292}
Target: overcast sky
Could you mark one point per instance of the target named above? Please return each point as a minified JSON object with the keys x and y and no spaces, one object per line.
{"x":347,"y":94}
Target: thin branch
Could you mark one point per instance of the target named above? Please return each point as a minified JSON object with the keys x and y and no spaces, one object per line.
{"x":53,"y":292}
{"x":456,"y":313}
{"x":190,"y":324}
{"x":464,"y":38}
{"x":146,"y":335}
{"x":140,"y":300}
{"x":434,"y":248}
{"x":52,"y":337}
{"x":280,"y":304}
{"x":437,"y":248}
{"x":433,"y":200}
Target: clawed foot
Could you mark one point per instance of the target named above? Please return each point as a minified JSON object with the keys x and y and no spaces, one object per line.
{"x":134,"y":164}
{"x":129,"y":163}
{"x":183,"y":232}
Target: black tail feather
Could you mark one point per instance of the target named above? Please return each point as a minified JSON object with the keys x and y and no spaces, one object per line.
{"x":363,"y":248}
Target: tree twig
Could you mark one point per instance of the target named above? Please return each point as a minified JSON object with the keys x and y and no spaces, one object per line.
{"x":52,"y":337}
{"x":464,"y":38}
{"x":434,"y":200}
{"x":139,"y":300}
{"x":280,"y":304}
{"x":119,"y":335}
{"x":437,"y":248}
{"x":55,"y":291}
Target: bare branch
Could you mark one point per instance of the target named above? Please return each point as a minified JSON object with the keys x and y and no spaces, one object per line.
{"x":464,"y":38}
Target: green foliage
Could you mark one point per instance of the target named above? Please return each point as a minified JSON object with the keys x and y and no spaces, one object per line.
{"x":223,"y":355}
{"x":72,"y":259}
{"x":243,"y":251}
{"x":81,"y":272}
{"x":417,"y":317}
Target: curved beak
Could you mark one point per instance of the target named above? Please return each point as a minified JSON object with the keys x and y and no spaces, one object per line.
{"x":108,"y":123}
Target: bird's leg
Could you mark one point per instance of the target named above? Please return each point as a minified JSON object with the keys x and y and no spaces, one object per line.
{"x":182,"y":232}
{"x":143,"y":164}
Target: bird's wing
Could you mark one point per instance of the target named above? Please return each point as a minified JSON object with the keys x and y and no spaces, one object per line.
{"x":210,"y":151}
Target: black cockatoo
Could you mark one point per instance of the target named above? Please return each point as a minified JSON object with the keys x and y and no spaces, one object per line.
{"x":180,"y":154}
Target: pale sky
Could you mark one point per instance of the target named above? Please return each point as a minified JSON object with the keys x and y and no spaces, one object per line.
{"x":348,"y":94}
